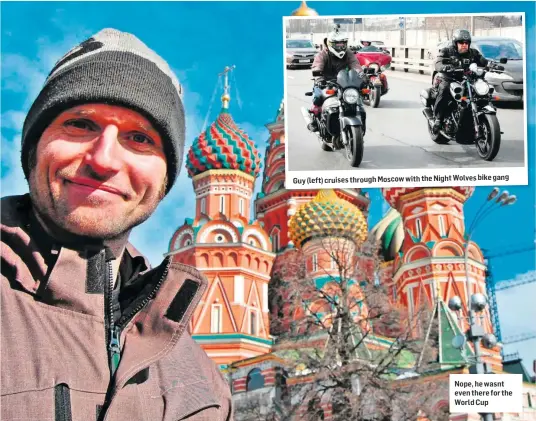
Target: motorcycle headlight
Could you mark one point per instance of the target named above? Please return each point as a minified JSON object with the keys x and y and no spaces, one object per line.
{"x":481,"y":87}
{"x":375,"y":66}
{"x":350,"y":96}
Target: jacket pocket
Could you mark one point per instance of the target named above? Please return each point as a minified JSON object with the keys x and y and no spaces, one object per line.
{"x":62,"y":397}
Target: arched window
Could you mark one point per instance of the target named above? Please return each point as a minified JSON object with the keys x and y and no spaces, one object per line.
{"x":281,"y":388}
{"x":215,"y":319}
{"x":442,"y":230}
{"x":254,"y":380}
{"x":253,"y":322}
{"x":222,"y":204}
{"x":203,"y":205}
{"x":241,"y":206}
{"x":418,"y":226}
{"x":275,"y":240}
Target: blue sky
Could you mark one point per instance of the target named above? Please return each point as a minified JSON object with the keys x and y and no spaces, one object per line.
{"x":199,"y":40}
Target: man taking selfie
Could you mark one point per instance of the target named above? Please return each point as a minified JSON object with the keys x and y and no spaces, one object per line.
{"x":89,"y":331}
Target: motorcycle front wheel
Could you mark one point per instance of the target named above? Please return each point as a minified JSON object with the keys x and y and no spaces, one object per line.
{"x":490,"y":142}
{"x":354,"y":147}
{"x":375,"y":95}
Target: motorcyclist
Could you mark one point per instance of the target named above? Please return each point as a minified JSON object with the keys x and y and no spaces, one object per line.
{"x":459,"y":49}
{"x":334,"y":57}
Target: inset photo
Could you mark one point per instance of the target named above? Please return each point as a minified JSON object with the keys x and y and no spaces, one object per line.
{"x":378,"y":101}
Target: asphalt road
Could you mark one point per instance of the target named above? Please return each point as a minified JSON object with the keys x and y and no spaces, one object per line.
{"x":397,"y":136}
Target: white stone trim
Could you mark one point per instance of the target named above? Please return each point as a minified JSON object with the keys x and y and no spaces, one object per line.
{"x":239,"y":284}
{"x":222,"y":227}
{"x":255,"y":233}
{"x":435,"y":261}
{"x":178,"y":240}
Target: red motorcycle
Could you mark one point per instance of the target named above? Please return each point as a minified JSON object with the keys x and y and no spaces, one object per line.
{"x":374,"y":62}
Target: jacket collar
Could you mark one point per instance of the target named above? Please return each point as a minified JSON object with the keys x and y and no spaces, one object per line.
{"x":149,"y":336}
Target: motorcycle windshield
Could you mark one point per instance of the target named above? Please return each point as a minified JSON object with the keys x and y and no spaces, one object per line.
{"x":349,"y":78}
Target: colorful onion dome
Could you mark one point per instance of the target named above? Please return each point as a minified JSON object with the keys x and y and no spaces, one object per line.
{"x":304,"y":10}
{"x":327,"y":215}
{"x":393,"y":194}
{"x":389,"y":233}
{"x":223,"y":146}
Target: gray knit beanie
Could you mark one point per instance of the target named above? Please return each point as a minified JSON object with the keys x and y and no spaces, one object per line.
{"x":115,"y":68}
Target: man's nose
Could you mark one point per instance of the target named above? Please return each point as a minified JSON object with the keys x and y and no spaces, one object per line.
{"x":104,"y":156}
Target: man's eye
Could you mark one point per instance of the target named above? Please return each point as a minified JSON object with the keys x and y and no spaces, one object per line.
{"x":141,"y":138}
{"x":81,"y":124}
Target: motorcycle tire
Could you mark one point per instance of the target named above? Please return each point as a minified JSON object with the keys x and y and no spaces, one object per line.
{"x":375,"y":97}
{"x":354,"y":149}
{"x":493,"y":137}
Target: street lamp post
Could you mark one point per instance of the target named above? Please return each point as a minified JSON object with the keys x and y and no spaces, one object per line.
{"x":476,"y":302}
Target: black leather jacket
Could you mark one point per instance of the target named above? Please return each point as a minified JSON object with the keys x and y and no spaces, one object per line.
{"x":472,"y":54}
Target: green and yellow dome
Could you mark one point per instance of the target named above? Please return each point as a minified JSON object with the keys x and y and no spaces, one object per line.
{"x":389,"y":235}
{"x":327,"y":215}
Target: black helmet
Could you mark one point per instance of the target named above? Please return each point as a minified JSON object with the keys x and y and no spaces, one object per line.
{"x":460,"y":35}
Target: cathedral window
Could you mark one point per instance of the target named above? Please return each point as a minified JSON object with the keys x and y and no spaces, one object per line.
{"x":418,"y":226}
{"x":442,"y":230}
{"x":253,"y":322}
{"x":275,"y":241}
{"x":222,"y":204}
{"x":203,"y":205}
{"x":254,"y":380}
{"x":241,"y":206}
{"x":315,"y":262}
{"x":219,"y":238}
{"x":216,"y":319}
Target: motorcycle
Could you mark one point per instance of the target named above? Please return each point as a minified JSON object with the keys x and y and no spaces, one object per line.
{"x":377,"y":85}
{"x":339,"y":121}
{"x":471,"y":118}
{"x":374,"y":62}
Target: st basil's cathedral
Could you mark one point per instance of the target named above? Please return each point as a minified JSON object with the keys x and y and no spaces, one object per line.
{"x":420,"y":245}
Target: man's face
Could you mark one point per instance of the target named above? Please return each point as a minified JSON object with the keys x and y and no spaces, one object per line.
{"x":100,"y":170}
{"x":463,"y":47}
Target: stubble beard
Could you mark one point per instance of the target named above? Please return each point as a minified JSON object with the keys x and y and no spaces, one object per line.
{"x":62,"y":221}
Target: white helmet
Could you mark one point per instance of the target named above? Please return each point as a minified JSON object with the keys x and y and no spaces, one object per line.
{"x":337,"y":43}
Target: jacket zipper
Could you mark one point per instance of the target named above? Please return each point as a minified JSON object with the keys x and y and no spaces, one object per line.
{"x":114,"y":346}
{"x":62,"y":397}
{"x":114,"y":329}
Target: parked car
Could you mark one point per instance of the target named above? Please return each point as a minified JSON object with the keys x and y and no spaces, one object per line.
{"x":508,"y":85}
{"x":300,"y":53}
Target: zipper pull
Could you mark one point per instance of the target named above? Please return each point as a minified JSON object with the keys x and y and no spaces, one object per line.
{"x":115,"y":349}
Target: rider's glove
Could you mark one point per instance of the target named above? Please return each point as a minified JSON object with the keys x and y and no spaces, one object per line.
{"x":448,"y":68}
{"x":362,"y":75}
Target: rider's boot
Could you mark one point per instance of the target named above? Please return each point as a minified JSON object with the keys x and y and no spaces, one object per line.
{"x":437,"y":123}
{"x":315,"y":110}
